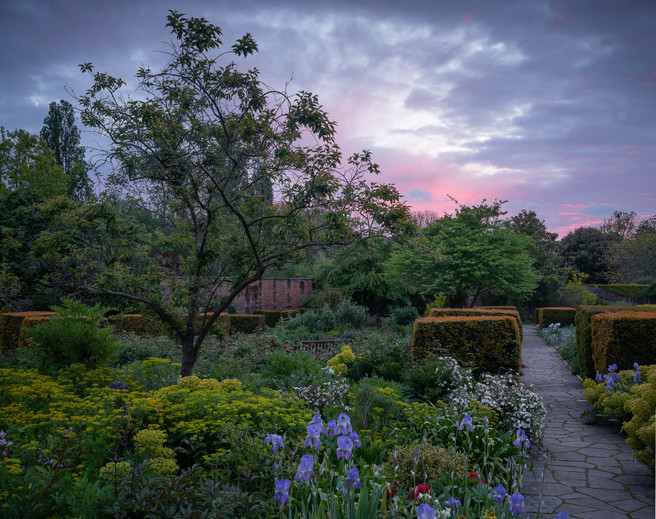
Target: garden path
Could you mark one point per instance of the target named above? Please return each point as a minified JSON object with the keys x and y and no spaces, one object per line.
{"x":589,"y":471}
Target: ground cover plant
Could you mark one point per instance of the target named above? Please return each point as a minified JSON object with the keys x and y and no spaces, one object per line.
{"x":261,"y":431}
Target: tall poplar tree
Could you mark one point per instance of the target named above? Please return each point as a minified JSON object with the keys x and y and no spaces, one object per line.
{"x":63,"y":137}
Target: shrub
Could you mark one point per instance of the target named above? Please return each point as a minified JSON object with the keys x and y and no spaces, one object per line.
{"x":351,"y":314}
{"x":460,"y":312}
{"x":323,"y":321}
{"x":375,"y":402}
{"x":325,"y":296}
{"x":434,"y":378}
{"x":518,"y":407}
{"x":641,"y":428}
{"x":380,"y":353}
{"x":623,"y":338}
{"x":284,"y":371}
{"x":271,"y":317}
{"x":439,"y":302}
{"x":576,"y":294}
{"x":565,"y":316}
{"x":488,"y":343}
{"x":423,"y":459}
{"x":246,"y":323}
{"x":340,"y":362}
{"x":75,"y":334}
{"x":630,"y":291}
{"x":403,"y":316}
{"x":11,"y":324}
{"x":136,"y":323}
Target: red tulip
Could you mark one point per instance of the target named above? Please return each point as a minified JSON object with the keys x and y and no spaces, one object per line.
{"x":420,"y":489}
{"x":476,"y":479}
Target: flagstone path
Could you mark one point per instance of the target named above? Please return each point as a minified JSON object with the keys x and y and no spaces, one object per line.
{"x":586,"y":470}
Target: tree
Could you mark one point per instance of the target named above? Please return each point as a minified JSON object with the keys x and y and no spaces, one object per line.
{"x":252,"y":178}
{"x":63,"y":137}
{"x":31,"y":183}
{"x":466,"y":255}
{"x":546,"y":254}
{"x":359,"y":272}
{"x":26,"y":163}
{"x":586,"y":249}
{"x":622,"y":224}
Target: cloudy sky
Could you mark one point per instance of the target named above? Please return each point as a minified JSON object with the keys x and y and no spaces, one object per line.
{"x":549,"y":104}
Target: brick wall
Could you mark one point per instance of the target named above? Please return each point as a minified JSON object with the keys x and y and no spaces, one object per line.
{"x":269,"y":293}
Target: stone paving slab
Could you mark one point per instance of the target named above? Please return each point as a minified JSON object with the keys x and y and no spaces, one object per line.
{"x":586,"y":470}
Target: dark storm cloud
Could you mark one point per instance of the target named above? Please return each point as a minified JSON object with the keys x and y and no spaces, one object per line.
{"x":545,"y":103}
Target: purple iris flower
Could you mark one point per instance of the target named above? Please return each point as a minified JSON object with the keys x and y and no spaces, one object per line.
{"x":452,"y":502}
{"x":355,"y":439}
{"x":342,"y":426}
{"x":330,"y":427}
{"x":466,"y":422}
{"x":516,"y":504}
{"x":425,"y":511}
{"x":599,"y":378}
{"x":353,"y":478}
{"x":500,"y":494}
{"x":313,"y":436}
{"x":275,"y":441}
{"x":282,"y":491}
{"x":305,"y":472}
{"x":522,"y":439}
{"x":316,"y":419}
{"x":636,"y":375}
{"x":344,"y":448}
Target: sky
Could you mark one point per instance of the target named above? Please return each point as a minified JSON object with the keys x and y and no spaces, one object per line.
{"x":548,"y":104}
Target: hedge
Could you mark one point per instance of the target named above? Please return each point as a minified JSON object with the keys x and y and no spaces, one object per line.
{"x":29,"y":322}
{"x":271,"y":317}
{"x":480,"y":311}
{"x":564,"y":315}
{"x":632,"y":291}
{"x":246,"y":323}
{"x":584,"y":332}
{"x":623,"y":338}
{"x":11,"y":324}
{"x":490,"y":343}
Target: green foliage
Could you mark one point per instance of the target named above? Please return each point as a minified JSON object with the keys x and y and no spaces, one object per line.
{"x":62,"y":136}
{"x":576,"y":294}
{"x":246,"y":323}
{"x":547,"y":259}
{"x":375,"y":403}
{"x":430,"y":379}
{"x":465,"y":255}
{"x":586,"y":250}
{"x":420,"y":462}
{"x":26,"y":163}
{"x":327,"y":295}
{"x":323,"y":321}
{"x":351,"y":314}
{"x":271,"y":317}
{"x":562,"y":315}
{"x":382,"y":354}
{"x":358,"y":271}
{"x":631,"y":291}
{"x":75,"y":334}
{"x":623,"y":338}
{"x":216,"y":143}
{"x":488,"y":343}
{"x":284,"y":371}
{"x":403,"y":316}
{"x":439,"y":302}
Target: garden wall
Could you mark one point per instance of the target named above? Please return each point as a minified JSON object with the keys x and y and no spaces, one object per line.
{"x":270,"y":293}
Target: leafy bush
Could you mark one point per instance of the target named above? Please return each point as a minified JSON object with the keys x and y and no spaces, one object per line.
{"x":380,"y":353}
{"x":434,"y":378}
{"x":421,"y":462}
{"x":325,"y":296}
{"x":351,"y":314}
{"x":576,"y":294}
{"x":75,"y":334}
{"x":284,"y":371}
{"x":323,"y":321}
{"x":403,"y":316}
{"x":375,"y":402}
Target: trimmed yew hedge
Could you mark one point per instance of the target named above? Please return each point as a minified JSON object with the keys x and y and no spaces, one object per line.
{"x":583,"y":323}
{"x":480,"y":311}
{"x":271,"y":317}
{"x":564,"y":315}
{"x":490,"y":343}
{"x":623,"y":338}
{"x":246,"y":323}
{"x":11,"y":324}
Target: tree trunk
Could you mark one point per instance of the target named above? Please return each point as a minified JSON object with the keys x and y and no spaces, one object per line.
{"x":189,"y":355}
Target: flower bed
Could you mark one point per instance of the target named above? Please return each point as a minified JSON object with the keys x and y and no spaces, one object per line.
{"x":276,"y":435}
